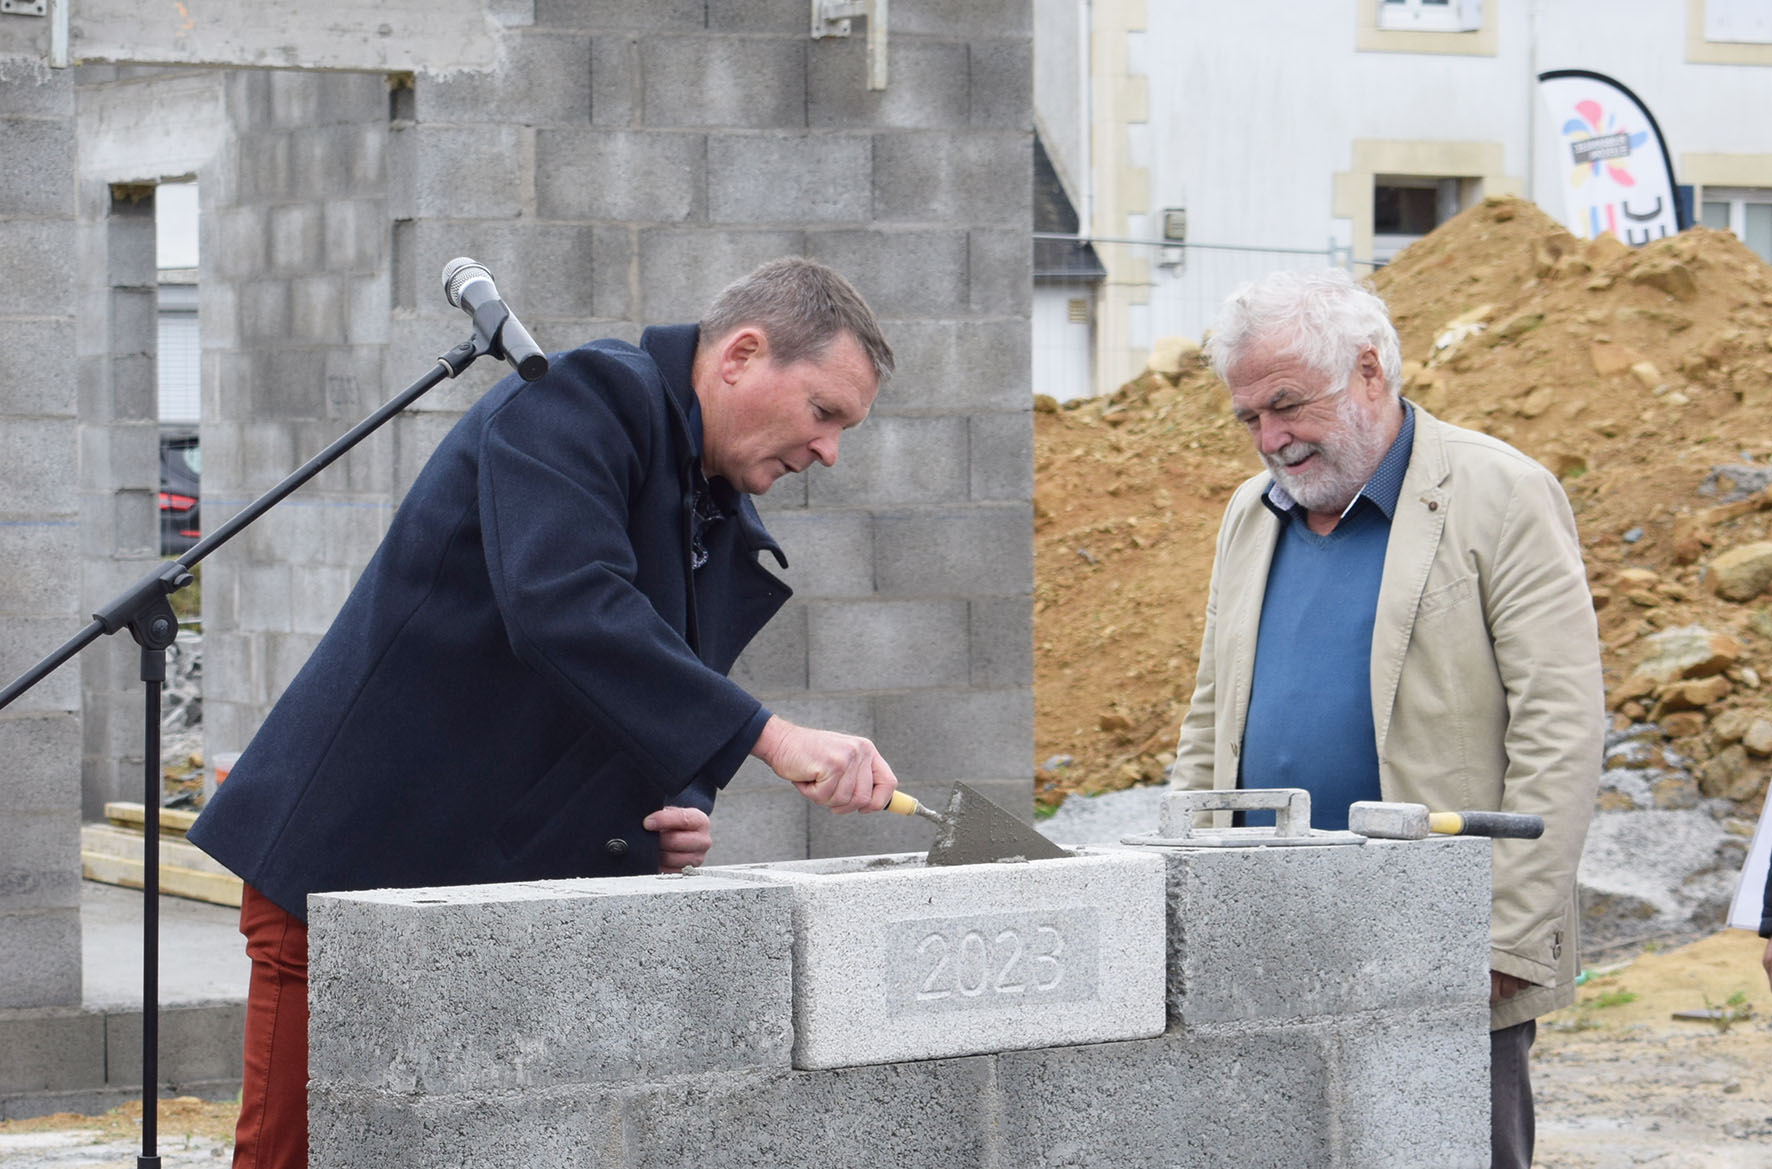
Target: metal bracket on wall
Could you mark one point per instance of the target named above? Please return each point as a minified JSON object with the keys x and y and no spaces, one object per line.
{"x":832,"y":18}
{"x":25,"y":7}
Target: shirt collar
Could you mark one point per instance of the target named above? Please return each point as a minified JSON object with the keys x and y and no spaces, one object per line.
{"x":1383,"y":488}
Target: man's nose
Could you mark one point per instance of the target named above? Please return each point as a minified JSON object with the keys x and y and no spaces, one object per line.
{"x":1271,"y":434}
{"x":824,"y":449}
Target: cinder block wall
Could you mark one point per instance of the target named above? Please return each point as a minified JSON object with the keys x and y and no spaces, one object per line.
{"x":118,"y":469}
{"x":293,"y":310}
{"x":40,"y":549}
{"x":1325,"y":1006}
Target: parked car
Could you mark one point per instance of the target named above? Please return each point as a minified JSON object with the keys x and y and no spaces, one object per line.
{"x":181,"y":465}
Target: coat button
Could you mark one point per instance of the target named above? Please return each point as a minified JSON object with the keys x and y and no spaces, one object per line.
{"x":616,"y":847}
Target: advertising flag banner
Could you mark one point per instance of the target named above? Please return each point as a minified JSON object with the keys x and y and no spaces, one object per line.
{"x":1615,"y":167}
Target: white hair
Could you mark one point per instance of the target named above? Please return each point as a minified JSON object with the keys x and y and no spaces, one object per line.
{"x":1319,"y":316}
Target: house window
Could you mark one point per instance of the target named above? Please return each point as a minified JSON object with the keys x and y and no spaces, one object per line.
{"x":1407,"y":207}
{"x":1738,"y":21}
{"x":1430,"y":15}
{"x":1746,"y":211}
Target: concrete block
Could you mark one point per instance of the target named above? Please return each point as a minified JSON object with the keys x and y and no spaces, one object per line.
{"x":293,"y":98}
{"x":32,"y":90}
{"x":237,"y":244}
{"x":615,"y":81}
{"x":350,"y":97}
{"x":1410,"y":1089}
{"x":776,"y":659}
{"x":949,"y":177}
{"x":354,"y":232}
{"x":39,"y":774}
{"x":791,"y":179}
{"x":543,"y":80}
{"x":896,"y":460}
{"x":316,"y":309}
{"x":496,"y":987}
{"x":1199,"y":1102}
{"x":912,"y":273}
{"x":683,"y":269}
{"x":40,"y":560}
{"x":265,"y":167}
{"x":29,"y":640}
{"x":725,"y":82}
{"x":665,"y":16}
{"x":38,"y":454}
{"x":967,"y":19}
{"x":1000,"y":271}
{"x":650,"y":177}
{"x":38,"y":178}
{"x":1002,"y":450}
{"x":894,"y":960}
{"x":761,"y":824}
{"x":198,"y":1045}
{"x":27,"y":251}
{"x":830,"y":553}
{"x":540,"y":269}
{"x":1002,"y":642}
{"x":1387,"y":925}
{"x":927,"y":90}
{"x":980,"y":551}
{"x":983,"y":734}
{"x":926,"y":1114}
{"x":40,"y":857}
{"x":296,"y":235}
{"x":50,"y":1049}
{"x":40,"y":958}
{"x":1002,"y":83}
{"x":456,"y":172}
{"x":953,"y":366}
{"x":356,"y":1128}
{"x":886,"y":645}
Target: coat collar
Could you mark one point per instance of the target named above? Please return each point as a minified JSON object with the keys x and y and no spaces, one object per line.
{"x":672,"y":349}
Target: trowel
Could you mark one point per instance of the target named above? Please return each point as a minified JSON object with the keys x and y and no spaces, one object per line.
{"x":976,"y":831}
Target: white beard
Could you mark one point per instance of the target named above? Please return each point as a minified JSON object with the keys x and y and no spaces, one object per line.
{"x":1343,"y":465}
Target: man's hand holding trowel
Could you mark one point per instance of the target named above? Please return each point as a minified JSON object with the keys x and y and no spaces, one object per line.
{"x":844,"y":773}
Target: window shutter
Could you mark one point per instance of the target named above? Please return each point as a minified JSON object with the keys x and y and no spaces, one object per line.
{"x":1469,"y":15}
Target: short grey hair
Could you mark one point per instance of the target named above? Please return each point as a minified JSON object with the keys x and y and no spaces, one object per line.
{"x":1320,"y":316}
{"x":801,"y":306}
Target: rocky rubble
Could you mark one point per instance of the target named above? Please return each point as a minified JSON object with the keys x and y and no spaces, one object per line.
{"x":1642,"y":377}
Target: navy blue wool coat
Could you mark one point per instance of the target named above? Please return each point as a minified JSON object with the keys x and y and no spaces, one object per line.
{"x":528,"y":666}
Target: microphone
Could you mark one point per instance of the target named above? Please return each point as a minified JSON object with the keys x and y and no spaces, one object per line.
{"x":469,"y":287}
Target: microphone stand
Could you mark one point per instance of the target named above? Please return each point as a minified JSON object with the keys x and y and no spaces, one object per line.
{"x":144,"y":610}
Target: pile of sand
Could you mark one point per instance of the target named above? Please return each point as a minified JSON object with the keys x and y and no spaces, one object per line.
{"x":1642,"y":377}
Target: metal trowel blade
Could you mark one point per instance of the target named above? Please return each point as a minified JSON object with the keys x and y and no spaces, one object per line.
{"x":980,"y":832}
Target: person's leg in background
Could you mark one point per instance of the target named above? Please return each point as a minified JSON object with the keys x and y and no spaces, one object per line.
{"x":273,"y":1129}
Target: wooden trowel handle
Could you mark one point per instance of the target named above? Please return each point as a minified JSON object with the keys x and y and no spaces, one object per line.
{"x":906,"y":804}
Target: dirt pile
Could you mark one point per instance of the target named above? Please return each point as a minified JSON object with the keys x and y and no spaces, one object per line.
{"x":1642,"y":377}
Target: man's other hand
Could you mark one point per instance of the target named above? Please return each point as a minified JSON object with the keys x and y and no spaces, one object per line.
{"x":1504,"y":986}
{"x":684,"y":837}
{"x":844,"y":773}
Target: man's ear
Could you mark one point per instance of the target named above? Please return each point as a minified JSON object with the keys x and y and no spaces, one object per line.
{"x":1371,"y":371}
{"x":741,"y":347}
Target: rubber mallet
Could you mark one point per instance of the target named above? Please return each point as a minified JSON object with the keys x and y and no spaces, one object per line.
{"x":1387,"y":821}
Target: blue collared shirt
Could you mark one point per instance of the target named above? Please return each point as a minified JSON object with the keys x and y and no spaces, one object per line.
{"x":1310,"y":705}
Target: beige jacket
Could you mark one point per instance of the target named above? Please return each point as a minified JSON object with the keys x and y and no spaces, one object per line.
{"x":1486,"y":690}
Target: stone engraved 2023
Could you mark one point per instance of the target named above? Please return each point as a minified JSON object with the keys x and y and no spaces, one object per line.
{"x":991,"y":961}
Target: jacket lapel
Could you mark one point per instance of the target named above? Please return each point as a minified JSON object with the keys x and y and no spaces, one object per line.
{"x":1241,"y":617}
{"x":1416,"y":527}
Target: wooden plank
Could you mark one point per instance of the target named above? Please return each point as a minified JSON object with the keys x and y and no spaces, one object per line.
{"x":173,"y":821}
{"x":127,"y":842}
{"x":218,"y":889}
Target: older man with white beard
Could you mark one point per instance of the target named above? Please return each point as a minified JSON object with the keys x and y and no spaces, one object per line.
{"x":1399,"y":611}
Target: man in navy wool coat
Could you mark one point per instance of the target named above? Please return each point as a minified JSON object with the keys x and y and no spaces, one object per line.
{"x":529,"y":679}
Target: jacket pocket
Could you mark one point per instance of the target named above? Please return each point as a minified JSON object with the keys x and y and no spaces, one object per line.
{"x":579,"y":769}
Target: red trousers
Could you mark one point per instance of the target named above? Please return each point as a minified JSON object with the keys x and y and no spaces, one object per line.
{"x":273,"y":1129}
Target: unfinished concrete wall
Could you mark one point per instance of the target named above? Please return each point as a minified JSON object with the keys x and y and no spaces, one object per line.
{"x":40,"y":545}
{"x":1324,"y":1006}
{"x":293,"y":308}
